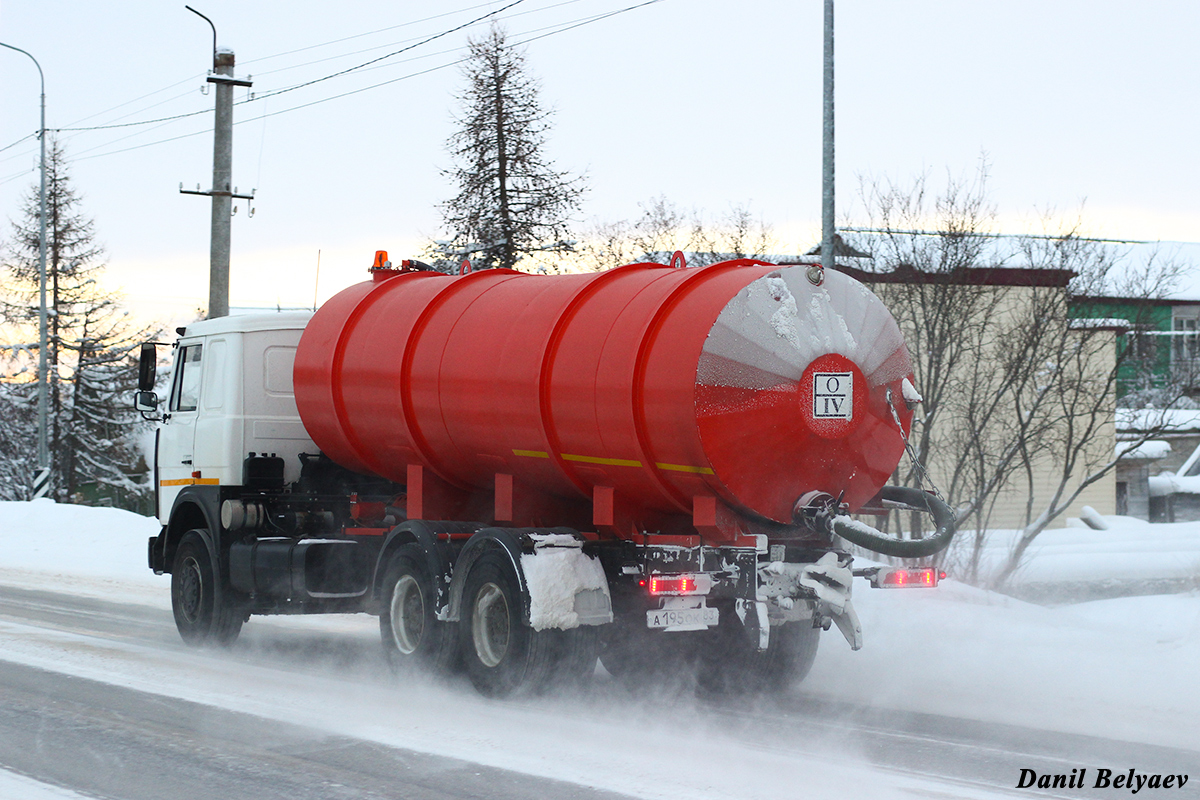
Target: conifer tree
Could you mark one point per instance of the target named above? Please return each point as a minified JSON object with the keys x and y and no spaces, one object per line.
{"x":511,"y":202}
{"x":91,"y":346}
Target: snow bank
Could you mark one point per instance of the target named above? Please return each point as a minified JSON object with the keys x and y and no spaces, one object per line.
{"x":94,"y":552}
{"x":1121,"y":668}
{"x":1129,"y":550}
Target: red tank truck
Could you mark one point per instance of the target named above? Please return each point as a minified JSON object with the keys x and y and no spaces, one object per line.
{"x":518,"y":473}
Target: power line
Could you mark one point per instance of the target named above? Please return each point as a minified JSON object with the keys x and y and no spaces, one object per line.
{"x":590,"y":20}
{"x":18,"y":141}
{"x":134,"y":124}
{"x":359,"y":36}
{"x":562,"y":28}
{"x":389,"y":44}
{"x":276,"y":55}
{"x":394,"y":53}
{"x":275,"y":113}
{"x":300,"y":85}
{"x":143,"y":97}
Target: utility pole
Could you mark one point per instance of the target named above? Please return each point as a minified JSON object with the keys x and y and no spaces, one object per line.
{"x":41,"y":478}
{"x":222,"y":191}
{"x":828,"y":231}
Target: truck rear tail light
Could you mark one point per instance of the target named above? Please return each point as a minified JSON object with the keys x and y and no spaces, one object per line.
{"x":680,"y":584}
{"x":922,"y":577}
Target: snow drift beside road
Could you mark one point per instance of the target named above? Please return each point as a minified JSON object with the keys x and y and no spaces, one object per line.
{"x":1123,"y":668}
{"x":93,"y":552}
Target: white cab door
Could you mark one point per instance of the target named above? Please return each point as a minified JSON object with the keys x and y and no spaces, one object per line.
{"x":177,"y":436}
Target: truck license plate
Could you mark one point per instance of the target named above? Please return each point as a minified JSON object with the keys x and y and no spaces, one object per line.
{"x":682,"y":617}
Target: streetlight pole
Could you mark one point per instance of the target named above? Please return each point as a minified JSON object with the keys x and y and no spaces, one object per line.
{"x":41,"y":480}
{"x":828,"y":231}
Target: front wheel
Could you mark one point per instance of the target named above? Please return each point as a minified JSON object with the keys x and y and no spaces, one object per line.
{"x":200,"y":616}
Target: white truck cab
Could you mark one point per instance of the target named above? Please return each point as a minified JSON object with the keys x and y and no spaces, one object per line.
{"x":230,"y":399}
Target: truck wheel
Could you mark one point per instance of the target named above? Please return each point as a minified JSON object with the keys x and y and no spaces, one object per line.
{"x":642,"y":660}
{"x":789,"y":657}
{"x":575,"y":663}
{"x":730,"y":663}
{"x":411,"y":633}
{"x":503,"y":655}
{"x":200,"y":618}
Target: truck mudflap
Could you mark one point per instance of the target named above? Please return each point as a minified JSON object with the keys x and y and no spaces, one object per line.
{"x":567,"y":588}
{"x":561,"y":586}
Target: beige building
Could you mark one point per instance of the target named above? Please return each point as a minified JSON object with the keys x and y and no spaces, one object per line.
{"x":1010,"y":379}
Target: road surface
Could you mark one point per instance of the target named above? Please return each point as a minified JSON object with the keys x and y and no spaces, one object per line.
{"x":101,"y":698}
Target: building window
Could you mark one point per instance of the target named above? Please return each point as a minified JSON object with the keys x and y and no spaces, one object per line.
{"x":1186,"y":346}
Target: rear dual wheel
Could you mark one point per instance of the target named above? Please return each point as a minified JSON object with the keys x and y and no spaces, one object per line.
{"x":731,"y":663}
{"x":504,"y":655}
{"x":412,"y":634}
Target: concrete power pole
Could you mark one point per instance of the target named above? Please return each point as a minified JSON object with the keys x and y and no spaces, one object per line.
{"x":223,"y":191}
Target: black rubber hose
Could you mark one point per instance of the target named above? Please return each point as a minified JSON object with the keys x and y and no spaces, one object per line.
{"x":914,"y":499}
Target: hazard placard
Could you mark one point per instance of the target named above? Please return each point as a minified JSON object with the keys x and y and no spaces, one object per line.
{"x":833,"y":395}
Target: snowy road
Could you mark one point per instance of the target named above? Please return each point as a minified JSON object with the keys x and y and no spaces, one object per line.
{"x":102,"y":698}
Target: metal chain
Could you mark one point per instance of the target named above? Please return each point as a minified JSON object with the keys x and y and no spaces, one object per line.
{"x":918,"y":468}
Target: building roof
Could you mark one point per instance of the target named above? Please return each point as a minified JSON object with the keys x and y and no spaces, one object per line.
{"x":967,"y":276}
{"x":840,"y":250}
{"x":1142,"y":301}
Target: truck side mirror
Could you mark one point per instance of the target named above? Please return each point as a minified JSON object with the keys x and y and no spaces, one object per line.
{"x":145,"y":402}
{"x":147,"y":366}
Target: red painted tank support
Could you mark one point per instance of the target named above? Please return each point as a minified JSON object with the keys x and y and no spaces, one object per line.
{"x":504,"y":497}
{"x":430,"y":497}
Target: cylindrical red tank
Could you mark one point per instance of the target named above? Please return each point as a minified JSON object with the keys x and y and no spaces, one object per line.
{"x":742,"y":380}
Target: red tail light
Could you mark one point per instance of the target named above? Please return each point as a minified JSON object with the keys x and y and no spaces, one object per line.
{"x":922,"y":577}
{"x":679,"y":584}
{"x":672,"y":585}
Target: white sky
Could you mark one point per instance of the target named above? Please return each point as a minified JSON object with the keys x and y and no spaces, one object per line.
{"x":709,"y":103}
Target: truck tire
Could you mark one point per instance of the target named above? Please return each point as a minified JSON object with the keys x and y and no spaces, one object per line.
{"x":575,"y":662}
{"x":645,"y":661}
{"x":200,"y":617}
{"x":732,"y":664}
{"x":789,"y":657}
{"x":502,"y":654}
{"x":411,"y":632}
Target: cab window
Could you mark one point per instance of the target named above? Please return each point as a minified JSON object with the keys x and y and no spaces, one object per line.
{"x":185,"y":393}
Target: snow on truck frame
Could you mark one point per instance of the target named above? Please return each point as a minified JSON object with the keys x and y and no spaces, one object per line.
{"x":519,"y":473}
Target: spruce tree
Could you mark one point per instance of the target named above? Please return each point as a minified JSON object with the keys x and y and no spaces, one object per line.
{"x":91,"y":347}
{"x":511,"y":202}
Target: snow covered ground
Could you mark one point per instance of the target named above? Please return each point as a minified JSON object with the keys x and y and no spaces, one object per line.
{"x":1122,"y":668}
{"x":17,"y":786}
{"x":1131,"y":552}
